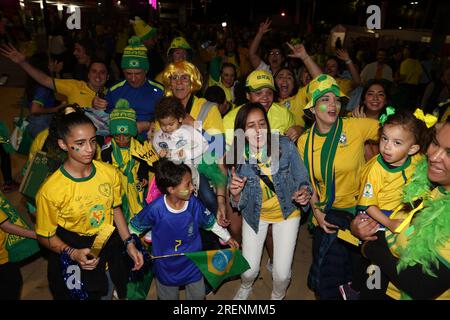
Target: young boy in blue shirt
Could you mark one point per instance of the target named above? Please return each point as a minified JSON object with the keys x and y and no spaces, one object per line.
{"x":175,"y":220}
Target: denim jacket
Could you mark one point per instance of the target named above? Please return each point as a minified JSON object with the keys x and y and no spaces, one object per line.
{"x":291,"y":175}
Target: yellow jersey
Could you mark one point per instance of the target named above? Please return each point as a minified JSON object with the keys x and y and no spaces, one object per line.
{"x":270,"y":207}
{"x":76,"y":91}
{"x":280,"y":120}
{"x":348,"y":161}
{"x":382,"y":185}
{"x":80,"y":205}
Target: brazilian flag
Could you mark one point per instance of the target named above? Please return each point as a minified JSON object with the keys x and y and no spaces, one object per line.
{"x":218,"y":265}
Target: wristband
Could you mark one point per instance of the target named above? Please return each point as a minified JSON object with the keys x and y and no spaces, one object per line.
{"x":128,"y":240}
{"x":348,"y":61}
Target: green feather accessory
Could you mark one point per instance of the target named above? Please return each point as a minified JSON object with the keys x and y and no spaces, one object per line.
{"x":419,"y":185}
{"x":213,"y":173}
{"x":430,"y":227}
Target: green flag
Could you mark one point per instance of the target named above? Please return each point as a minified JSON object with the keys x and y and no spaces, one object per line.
{"x":19,"y":248}
{"x":217,"y":265}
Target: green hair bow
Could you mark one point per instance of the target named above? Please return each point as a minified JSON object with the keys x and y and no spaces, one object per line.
{"x":389,"y":112}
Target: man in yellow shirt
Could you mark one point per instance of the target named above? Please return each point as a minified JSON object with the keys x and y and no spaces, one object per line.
{"x":260,"y":88}
{"x":76,"y":91}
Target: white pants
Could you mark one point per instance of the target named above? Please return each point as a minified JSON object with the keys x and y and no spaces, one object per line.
{"x":284,"y":241}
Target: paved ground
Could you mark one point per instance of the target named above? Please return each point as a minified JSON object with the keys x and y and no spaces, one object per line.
{"x":34,"y":272}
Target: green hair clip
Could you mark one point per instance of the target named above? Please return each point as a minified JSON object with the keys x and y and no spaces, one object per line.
{"x":389,"y":112}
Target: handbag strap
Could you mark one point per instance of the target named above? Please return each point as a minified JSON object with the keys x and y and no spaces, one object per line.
{"x":264,"y":178}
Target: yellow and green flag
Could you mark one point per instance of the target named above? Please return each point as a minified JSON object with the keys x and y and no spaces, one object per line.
{"x":218,"y":265}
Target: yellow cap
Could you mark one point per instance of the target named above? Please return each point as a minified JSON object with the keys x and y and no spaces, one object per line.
{"x":319,"y":86}
{"x":179,"y":43}
{"x":260,"y":79}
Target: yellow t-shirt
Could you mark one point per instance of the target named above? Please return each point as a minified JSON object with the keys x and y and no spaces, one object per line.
{"x":229,"y":93}
{"x":349,"y":159}
{"x":3,"y":236}
{"x":412,"y":70}
{"x":270,"y":207}
{"x":76,"y":91}
{"x":280,"y":120}
{"x":78,"y":205}
{"x":345,"y":85}
{"x":397,"y":241}
{"x":38,"y":143}
{"x":295,"y":105}
{"x":382,"y":186}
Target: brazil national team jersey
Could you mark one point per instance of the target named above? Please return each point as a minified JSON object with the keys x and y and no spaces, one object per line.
{"x":80,"y":205}
{"x":382,"y":185}
{"x":174,"y":231}
{"x":348,"y":161}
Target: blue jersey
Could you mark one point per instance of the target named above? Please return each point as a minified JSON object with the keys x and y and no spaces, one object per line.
{"x":44,"y":96}
{"x":174,"y":231}
{"x":143,"y":100}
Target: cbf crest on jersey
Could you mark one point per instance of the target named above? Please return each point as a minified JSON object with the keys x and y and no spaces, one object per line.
{"x":368,"y":191}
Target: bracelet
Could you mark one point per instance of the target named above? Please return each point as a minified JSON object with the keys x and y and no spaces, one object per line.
{"x":128,"y":240}
{"x":68,"y":250}
{"x":348,"y":61}
{"x":220,"y":195}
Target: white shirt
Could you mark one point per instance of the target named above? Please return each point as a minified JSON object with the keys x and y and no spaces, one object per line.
{"x":183,"y":145}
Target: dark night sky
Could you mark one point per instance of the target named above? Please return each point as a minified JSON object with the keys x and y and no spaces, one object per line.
{"x":399,"y":12}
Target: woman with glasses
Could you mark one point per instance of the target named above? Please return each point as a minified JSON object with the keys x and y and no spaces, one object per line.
{"x":275,"y":56}
{"x":181,"y":80}
{"x":333,"y":152}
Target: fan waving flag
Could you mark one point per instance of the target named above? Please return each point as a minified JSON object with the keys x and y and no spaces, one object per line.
{"x":218,"y":265}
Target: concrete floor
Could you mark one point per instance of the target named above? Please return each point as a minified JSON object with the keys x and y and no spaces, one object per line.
{"x":34,"y":272}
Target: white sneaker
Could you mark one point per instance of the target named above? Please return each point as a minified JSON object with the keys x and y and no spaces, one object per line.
{"x":269,"y":266}
{"x":242,"y":293}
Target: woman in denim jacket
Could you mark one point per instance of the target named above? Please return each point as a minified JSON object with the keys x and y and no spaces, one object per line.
{"x":268,"y":183}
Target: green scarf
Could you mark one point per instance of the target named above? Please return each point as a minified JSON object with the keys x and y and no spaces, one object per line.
{"x":327,"y":155}
{"x":127,"y":170}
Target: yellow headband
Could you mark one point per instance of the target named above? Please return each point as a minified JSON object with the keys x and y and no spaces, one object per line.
{"x":429,"y":119}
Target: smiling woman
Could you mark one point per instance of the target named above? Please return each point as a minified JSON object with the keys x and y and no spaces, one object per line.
{"x":333,"y":152}
{"x":269,"y":186}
